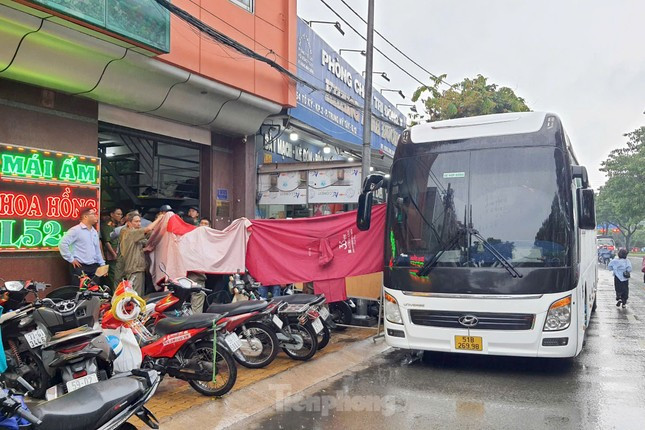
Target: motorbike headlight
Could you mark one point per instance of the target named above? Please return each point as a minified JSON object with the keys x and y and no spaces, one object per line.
{"x":391,"y":310}
{"x":559,"y":315}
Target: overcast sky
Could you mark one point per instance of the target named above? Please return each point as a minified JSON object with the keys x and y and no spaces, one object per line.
{"x":582,"y":59}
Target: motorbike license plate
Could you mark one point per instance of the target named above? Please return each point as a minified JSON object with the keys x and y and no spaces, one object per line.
{"x":277,"y":321}
{"x":469,"y":343}
{"x":324,"y":312}
{"x":317,"y":325}
{"x":75,"y":384}
{"x":233,"y":342}
{"x":35,"y":338}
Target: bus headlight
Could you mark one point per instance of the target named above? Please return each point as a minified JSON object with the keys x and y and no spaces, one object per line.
{"x":559,"y":315}
{"x":391,"y":310}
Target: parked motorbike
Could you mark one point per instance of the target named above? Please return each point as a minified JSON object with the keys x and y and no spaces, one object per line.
{"x":75,"y":351}
{"x":292,"y":322}
{"x":253,"y":343}
{"x":104,"y":405}
{"x":184,"y":348}
{"x":22,"y":338}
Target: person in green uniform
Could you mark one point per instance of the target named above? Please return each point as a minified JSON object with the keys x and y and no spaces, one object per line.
{"x":132,"y":240}
{"x":111,"y":246}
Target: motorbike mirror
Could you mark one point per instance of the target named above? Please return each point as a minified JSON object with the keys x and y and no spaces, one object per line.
{"x":14,"y":285}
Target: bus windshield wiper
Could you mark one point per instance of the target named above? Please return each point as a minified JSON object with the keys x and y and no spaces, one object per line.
{"x":503,"y":260}
{"x":430,"y":264}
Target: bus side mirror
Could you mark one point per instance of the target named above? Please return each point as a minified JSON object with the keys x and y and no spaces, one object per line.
{"x":586,"y":209}
{"x":580,"y":172}
{"x":364,"y":214}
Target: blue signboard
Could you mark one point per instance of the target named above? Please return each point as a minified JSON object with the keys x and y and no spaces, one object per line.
{"x":222,"y":194}
{"x":321,"y":65}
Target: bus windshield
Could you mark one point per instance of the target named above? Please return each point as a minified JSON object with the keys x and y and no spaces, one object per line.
{"x":513,"y":197}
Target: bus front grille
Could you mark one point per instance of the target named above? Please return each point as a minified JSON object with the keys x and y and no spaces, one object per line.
{"x":472,"y":320}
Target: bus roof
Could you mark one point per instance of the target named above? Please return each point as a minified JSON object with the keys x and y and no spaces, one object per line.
{"x":478,"y":126}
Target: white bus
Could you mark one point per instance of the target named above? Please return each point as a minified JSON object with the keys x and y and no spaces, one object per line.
{"x":490,"y":238}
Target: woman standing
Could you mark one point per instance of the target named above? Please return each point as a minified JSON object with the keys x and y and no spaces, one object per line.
{"x":622,"y":268}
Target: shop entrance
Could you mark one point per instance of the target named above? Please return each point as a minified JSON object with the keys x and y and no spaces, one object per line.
{"x":143,"y":171}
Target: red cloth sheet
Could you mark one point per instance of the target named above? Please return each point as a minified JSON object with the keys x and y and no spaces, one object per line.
{"x":315,"y":249}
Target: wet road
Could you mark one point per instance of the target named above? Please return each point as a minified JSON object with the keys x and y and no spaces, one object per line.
{"x":603,"y":388}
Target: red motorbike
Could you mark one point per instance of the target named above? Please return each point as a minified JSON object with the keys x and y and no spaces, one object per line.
{"x":184,"y":348}
{"x":253,"y":343}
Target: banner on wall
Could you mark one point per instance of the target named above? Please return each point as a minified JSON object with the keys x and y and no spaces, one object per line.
{"x":334,"y":185}
{"x":284,"y":188}
{"x":41,"y":195}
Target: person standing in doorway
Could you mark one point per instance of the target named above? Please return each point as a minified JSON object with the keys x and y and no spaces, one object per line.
{"x":111,"y":246}
{"x":131,"y":242}
{"x":80,"y":246}
{"x":621,"y":267}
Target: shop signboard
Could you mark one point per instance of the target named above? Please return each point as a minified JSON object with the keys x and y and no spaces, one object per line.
{"x":319,"y":64}
{"x":334,"y":185}
{"x":341,"y":185}
{"x":41,"y":194}
{"x":284,"y":188}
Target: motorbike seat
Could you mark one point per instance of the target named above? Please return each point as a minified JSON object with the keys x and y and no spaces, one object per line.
{"x":238,"y":308}
{"x":155,"y":297}
{"x":299,"y":299}
{"x":174,"y":325}
{"x":90,"y":406}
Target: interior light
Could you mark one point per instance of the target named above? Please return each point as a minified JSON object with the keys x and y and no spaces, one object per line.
{"x":293,"y":136}
{"x":387,"y":176}
{"x":327,"y":149}
{"x":350,"y":159}
{"x":371,"y":169}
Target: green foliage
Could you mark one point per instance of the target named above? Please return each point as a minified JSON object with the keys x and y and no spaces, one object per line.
{"x":621,"y":201}
{"x":471,"y":97}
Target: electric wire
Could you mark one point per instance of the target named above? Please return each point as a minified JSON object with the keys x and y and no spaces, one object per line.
{"x":395,"y":47}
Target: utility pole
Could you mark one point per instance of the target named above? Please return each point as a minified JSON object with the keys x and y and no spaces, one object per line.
{"x":367,"y":121}
{"x":367,"y":108}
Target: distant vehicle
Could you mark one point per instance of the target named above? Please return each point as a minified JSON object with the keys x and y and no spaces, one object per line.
{"x":606,"y":242}
{"x":490,"y":238}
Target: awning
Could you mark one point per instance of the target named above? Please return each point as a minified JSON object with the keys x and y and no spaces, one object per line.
{"x":41,"y":51}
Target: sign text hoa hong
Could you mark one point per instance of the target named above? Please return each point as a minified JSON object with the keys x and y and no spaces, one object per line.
{"x":41,"y":194}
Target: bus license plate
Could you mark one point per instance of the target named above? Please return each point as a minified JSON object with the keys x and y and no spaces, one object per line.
{"x":317,"y":325}
{"x":35,"y":338}
{"x":469,"y":343}
{"x":75,"y":384}
{"x":233,"y":342}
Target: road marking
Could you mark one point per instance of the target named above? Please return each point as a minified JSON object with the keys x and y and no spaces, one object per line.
{"x":631,"y":318}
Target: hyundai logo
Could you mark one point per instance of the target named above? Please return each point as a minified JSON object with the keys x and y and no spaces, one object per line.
{"x":468,"y":320}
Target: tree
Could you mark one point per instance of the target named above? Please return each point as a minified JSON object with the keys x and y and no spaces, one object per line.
{"x":621,"y":200}
{"x":470,"y":97}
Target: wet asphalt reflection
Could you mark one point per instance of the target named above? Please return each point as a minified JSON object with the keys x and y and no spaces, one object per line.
{"x":602,"y":388}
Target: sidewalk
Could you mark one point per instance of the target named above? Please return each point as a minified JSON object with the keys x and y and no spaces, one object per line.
{"x":177,"y":406}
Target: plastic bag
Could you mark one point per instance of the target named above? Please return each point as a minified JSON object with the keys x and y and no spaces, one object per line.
{"x":130,"y":357}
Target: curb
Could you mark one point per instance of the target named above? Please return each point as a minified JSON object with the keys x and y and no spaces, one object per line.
{"x":258,"y":397}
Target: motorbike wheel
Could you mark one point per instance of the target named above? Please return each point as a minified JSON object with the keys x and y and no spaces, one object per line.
{"x":341,"y":313}
{"x":38,"y":377}
{"x":226,"y":370}
{"x":323,"y":337}
{"x":308,"y":344}
{"x":268,"y":341}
